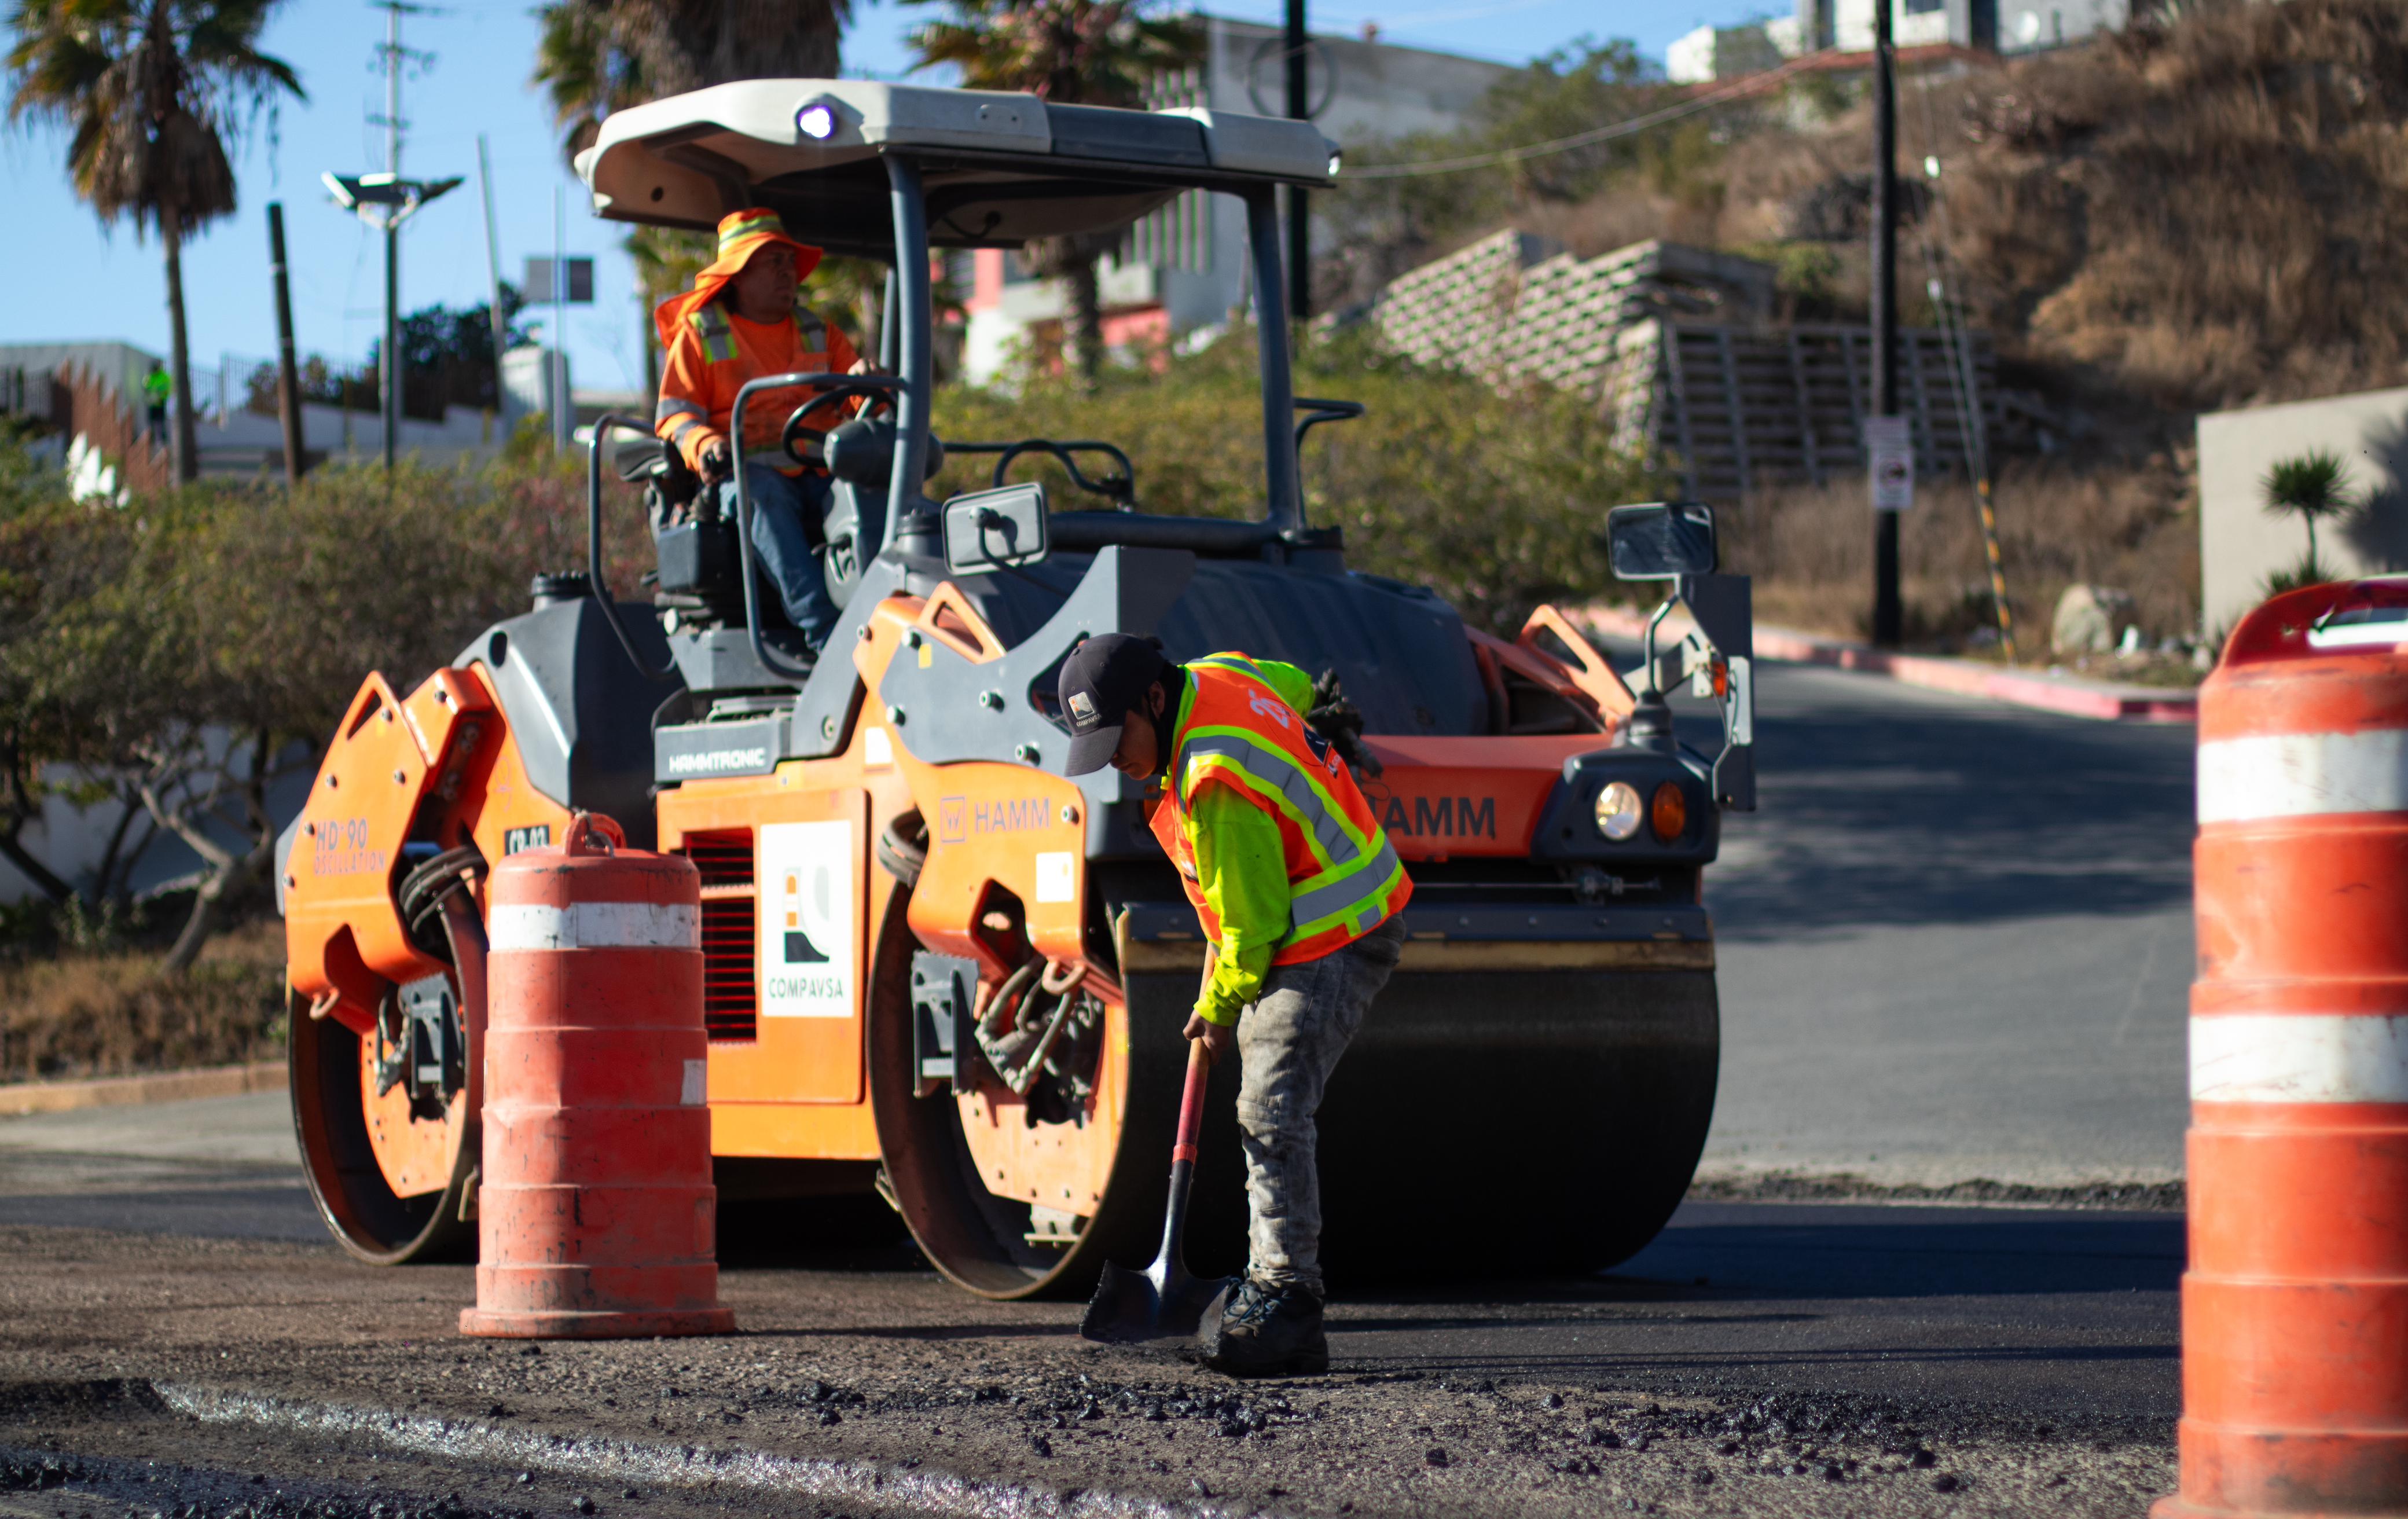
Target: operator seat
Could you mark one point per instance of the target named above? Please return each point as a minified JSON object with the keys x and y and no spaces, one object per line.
{"x":700,"y":568}
{"x":699,"y":571}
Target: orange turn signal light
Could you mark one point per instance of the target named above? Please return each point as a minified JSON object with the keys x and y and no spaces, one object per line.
{"x":1668,"y":812}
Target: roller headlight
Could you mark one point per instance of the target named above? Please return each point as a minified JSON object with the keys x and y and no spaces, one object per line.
{"x":816,"y":120}
{"x":1619,"y":813}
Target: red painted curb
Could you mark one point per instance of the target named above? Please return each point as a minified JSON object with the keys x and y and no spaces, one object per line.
{"x":2067,"y":695}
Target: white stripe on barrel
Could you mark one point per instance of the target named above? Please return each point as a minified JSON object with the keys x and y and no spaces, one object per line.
{"x":596,"y":926}
{"x":2294,"y":775}
{"x":2299,"y":1058}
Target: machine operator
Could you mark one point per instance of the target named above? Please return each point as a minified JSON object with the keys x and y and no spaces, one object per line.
{"x":1300,"y":895}
{"x":742,"y":319}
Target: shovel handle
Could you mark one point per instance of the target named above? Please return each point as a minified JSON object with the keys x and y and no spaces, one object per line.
{"x":1191,"y":1103}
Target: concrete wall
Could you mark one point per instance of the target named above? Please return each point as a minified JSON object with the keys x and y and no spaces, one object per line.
{"x":2240,"y":544}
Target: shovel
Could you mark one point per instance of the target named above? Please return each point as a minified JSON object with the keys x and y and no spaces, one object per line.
{"x":1163,"y":1302}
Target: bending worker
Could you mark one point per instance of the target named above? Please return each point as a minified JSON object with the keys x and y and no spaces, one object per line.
{"x":742,"y":319}
{"x":1299,"y":892}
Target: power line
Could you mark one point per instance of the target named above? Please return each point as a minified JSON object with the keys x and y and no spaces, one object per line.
{"x":1695,"y":103}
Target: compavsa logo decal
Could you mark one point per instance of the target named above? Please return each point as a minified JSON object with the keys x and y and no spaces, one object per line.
{"x":806,"y":876}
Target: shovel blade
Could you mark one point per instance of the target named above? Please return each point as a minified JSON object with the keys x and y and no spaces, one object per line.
{"x":1131,"y":1308}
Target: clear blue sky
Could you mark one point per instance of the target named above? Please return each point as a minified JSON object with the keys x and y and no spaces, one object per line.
{"x":69,"y":279}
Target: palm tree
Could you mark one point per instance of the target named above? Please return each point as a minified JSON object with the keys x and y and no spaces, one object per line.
{"x":597,"y":56}
{"x":2308,"y":487}
{"x":1077,"y":52}
{"x":149,"y":90}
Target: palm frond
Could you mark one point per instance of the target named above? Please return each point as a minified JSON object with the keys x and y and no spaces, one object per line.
{"x":2311,"y":485}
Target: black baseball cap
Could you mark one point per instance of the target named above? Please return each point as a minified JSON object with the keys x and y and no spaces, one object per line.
{"x":1101,"y":681}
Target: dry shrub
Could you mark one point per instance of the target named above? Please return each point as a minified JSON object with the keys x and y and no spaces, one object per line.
{"x":109,"y":1014}
{"x":1495,"y":502}
{"x":2136,"y":529}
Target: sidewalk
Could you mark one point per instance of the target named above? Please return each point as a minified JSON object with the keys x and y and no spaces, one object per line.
{"x":17,"y":1099}
{"x":2044,"y":690}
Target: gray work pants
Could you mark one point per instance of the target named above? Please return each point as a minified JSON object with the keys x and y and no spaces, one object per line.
{"x":1288,"y":1042}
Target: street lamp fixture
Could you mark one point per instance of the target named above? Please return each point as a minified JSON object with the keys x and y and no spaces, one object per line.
{"x":384,"y":201}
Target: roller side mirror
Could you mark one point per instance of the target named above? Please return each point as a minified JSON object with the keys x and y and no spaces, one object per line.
{"x":1661,"y":541}
{"x":999,"y":529}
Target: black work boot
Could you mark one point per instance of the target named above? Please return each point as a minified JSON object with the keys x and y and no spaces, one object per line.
{"x":1270,"y":1331}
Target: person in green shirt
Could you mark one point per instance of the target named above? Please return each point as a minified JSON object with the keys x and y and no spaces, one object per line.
{"x":156,"y":389}
{"x":1131,"y":707}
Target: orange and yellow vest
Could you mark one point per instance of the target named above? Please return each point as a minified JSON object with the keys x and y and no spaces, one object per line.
{"x":1345,"y":879}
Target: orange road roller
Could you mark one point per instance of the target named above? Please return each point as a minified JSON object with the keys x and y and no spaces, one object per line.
{"x":936,"y":968}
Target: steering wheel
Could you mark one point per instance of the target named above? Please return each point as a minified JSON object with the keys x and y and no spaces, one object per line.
{"x":801,"y":443}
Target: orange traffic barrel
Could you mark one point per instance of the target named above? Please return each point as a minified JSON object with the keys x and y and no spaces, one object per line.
{"x":596,"y":1212}
{"x":2295,"y":1308}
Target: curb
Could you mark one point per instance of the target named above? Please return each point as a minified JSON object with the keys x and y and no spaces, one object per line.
{"x":2069,"y":695}
{"x":127,"y":1091}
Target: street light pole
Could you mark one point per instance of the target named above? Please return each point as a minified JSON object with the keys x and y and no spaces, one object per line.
{"x":1300,"y":225}
{"x":385,"y":201}
{"x":1887,"y":613}
{"x":391,"y":380}
{"x":391,"y":383}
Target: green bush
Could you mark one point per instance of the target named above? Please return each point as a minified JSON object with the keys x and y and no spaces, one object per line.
{"x":1496,"y":502}
{"x":183,"y":651}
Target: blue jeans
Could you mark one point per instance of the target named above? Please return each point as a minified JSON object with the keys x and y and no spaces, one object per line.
{"x":781,"y":548}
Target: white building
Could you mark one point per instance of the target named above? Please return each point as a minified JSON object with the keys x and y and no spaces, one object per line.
{"x":1187,"y":264}
{"x":1724,"y":52}
{"x":1845,"y":27}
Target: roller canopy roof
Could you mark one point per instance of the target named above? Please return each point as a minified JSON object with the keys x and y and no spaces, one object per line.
{"x":998,"y":168}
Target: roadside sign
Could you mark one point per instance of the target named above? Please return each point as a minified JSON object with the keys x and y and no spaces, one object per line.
{"x":1891,"y":452}
{"x":577,"y":288}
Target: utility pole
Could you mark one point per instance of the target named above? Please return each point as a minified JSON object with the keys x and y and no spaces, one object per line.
{"x":564,"y":416}
{"x":389,"y":383}
{"x":385,"y":200}
{"x":287,"y":376}
{"x":1886,"y":615}
{"x":1300,"y":225}
{"x":492,"y":268}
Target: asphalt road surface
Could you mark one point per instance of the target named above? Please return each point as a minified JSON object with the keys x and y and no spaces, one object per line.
{"x":1955,"y":943}
{"x":1955,"y":940}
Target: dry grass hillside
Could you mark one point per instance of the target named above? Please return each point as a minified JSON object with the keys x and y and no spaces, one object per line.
{"x":2200,"y":213}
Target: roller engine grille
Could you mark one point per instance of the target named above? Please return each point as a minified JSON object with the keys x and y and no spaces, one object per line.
{"x":723,"y":856}
{"x":730,"y":993}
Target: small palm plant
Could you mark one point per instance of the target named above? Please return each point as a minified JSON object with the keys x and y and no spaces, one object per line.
{"x":2311,"y":487}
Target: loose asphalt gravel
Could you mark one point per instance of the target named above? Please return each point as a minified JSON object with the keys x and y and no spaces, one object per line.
{"x":1932,"y":1367}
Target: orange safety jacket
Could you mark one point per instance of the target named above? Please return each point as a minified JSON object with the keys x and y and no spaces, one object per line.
{"x":1235,"y":730}
{"x":716,"y":352}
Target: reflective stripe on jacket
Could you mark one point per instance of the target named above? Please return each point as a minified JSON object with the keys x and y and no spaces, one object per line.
{"x":712,"y":356}
{"x":1236,"y":730}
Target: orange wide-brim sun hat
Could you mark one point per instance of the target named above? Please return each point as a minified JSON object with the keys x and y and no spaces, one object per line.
{"x":741,"y":234}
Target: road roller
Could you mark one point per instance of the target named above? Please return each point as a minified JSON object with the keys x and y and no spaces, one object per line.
{"x":937,"y":970}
